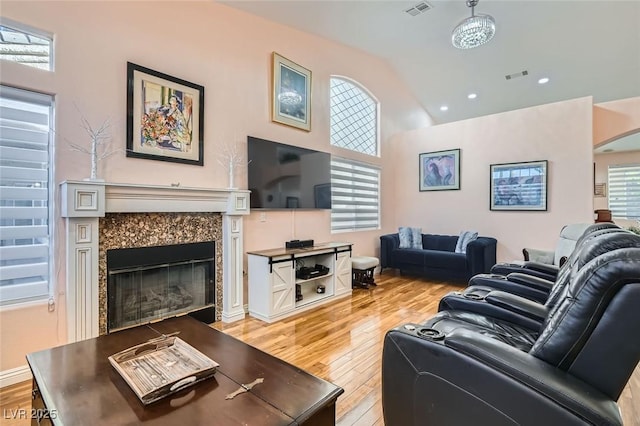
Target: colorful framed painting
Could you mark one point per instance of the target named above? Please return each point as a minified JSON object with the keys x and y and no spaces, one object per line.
{"x":165,"y":117}
{"x":291,"y":94}
{"x":440,"y":170}
{"x":519,"y":186}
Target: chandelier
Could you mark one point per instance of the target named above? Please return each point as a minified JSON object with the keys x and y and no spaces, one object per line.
{"x":473,"y":31}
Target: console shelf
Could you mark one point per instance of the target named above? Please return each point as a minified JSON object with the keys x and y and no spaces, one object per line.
{"x":272,"y":279}
{"x":301,"y":281}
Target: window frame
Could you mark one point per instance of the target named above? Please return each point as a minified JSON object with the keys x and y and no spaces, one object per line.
{"x":366,"y":91}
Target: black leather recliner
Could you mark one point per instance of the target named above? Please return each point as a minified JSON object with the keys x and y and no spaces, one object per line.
{"x":571,"y":373}
{"x":519,"y":311}
{"x":526,"y":284}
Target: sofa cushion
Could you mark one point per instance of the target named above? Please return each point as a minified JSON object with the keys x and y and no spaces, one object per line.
{"x":409,"y":256}
{"x":439,"y":242}
{"x":445,"y":259}
{"x":465,"y":238}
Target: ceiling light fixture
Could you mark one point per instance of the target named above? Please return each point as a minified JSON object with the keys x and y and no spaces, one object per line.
{"x":472,"y":96}
{"x":444,"y":108}
{"x":473,"y":31}
{"x":543,"y":80}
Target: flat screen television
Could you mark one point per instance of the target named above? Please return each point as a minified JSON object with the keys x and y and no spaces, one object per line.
{"x":287,"y":177}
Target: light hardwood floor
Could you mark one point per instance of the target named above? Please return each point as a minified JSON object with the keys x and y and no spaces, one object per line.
{"x":342,"y":343}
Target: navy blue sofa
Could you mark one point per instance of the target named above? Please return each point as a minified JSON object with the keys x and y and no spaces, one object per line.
{"x":437,"y":259}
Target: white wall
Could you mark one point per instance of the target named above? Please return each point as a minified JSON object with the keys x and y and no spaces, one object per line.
{"x":559,"y":133}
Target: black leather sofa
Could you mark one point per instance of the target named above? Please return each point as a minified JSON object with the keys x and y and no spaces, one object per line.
{"x":461,"y":367}
{"x":437,"y":258}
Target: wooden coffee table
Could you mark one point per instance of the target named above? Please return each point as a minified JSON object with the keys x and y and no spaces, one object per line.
{"x":76,"y":384}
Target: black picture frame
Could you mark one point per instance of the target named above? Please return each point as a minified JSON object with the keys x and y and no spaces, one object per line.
{"x":519,"y":186}
{"x":439,"y":170}
{"x":165,"y":117}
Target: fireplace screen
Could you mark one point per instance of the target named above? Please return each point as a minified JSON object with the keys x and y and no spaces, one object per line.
{"x":151,"y":283}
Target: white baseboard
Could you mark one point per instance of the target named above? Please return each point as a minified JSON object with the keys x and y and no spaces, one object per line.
{"x":15,"y":375}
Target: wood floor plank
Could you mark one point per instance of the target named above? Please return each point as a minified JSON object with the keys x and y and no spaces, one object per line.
{"x":341,"y":343}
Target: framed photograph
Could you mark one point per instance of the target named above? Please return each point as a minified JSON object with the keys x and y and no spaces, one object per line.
{"x":519,"y":186}
{"x":291,"y":94}
{"x":165,"y":117}
{"x":440,"y":171}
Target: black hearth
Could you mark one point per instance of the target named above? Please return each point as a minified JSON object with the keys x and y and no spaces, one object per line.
{"x":146,"y":284}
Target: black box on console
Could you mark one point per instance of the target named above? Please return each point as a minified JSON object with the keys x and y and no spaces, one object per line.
{"x":298,"y":244}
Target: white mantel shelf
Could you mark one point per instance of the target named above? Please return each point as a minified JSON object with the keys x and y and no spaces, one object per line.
{"x":83,"y":202}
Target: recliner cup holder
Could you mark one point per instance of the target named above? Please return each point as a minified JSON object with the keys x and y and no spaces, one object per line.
{"x":430,"y":333}
{"x":473,"y":296}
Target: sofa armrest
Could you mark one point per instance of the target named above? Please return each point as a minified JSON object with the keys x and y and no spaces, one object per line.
{"x":481,"y":255}
{"x":546,"y":268}
{"x":531,"y":281}
{"x":536,"y":255}
{"x":388,"y":243}
{"x":518,"y":305}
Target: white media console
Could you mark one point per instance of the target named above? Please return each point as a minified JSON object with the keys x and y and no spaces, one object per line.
{"x":272,"y":279}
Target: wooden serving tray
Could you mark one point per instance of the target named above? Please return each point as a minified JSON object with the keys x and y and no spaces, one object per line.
{"x":161,"y":367}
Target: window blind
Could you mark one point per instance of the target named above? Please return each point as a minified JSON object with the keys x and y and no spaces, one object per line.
{"x":355,"y":195}
{"x":25,"y":122}
{"x":624,"y":191}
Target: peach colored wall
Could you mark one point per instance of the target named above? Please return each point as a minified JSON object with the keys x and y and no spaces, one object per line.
{"x":559,"y":133}
{"x":228,"y":52}
{"x":614,"y":119}
{"x":603,"y":161}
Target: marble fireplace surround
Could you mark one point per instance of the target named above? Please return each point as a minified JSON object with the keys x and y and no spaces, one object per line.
{"x":84,"y":204}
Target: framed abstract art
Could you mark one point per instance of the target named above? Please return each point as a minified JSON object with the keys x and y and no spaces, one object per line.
{"x":165,"y":117}
{"x":440,"y":170}
{"x":519,"y":186}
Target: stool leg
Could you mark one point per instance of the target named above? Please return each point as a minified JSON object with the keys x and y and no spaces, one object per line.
{"x":370,"y":279}
{"x":359,"y":279}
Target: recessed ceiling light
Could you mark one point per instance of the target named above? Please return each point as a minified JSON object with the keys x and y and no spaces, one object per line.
{"x":472,"y":96}
{"x":543,"y":80}
{"x":444,"y":108}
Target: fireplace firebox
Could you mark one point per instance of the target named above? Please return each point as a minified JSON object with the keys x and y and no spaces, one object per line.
{"x":146,"y":284}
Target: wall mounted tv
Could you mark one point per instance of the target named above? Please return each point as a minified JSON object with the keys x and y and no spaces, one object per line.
{"x":288,"y":177}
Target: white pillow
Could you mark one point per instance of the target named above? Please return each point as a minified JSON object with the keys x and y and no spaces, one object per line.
{"x":465,"y":238}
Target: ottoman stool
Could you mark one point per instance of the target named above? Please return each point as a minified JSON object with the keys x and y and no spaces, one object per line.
{"x":362,"y":268}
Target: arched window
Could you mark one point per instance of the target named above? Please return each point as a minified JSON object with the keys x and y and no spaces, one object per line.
{"x":354,"y":117}
{"x":355,"y":186}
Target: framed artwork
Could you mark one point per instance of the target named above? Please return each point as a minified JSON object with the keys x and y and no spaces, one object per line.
{"x":519,"y":186}
{"x":165,"y":117}
{"x":440,"y":170}
{"x":291,"y":94}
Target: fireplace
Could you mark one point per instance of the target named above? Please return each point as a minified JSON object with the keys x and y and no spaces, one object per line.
{"x":102,"y":216}
{"x":146,"y":284}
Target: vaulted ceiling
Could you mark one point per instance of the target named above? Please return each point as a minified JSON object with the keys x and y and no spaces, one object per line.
{"x":585,"y":48}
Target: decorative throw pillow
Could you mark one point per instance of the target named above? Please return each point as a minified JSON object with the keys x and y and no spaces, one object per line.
{"x":410,"y":237}
{"x":416,"y":238}
{"x":405,"y":237}
{"x":465,"y":238}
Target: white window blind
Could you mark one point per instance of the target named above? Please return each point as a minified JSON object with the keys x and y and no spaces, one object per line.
{"x":25,"y":135}
{"x":25,"y":45}
{"x":355,"y":195}
{"x":624,"y":191}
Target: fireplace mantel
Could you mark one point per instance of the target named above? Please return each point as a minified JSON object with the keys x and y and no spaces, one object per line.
{"x":83,"y":202}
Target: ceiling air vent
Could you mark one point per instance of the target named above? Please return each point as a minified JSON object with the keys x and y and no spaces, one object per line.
{"x":516,"y":75}
{"x":419,"y":8}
